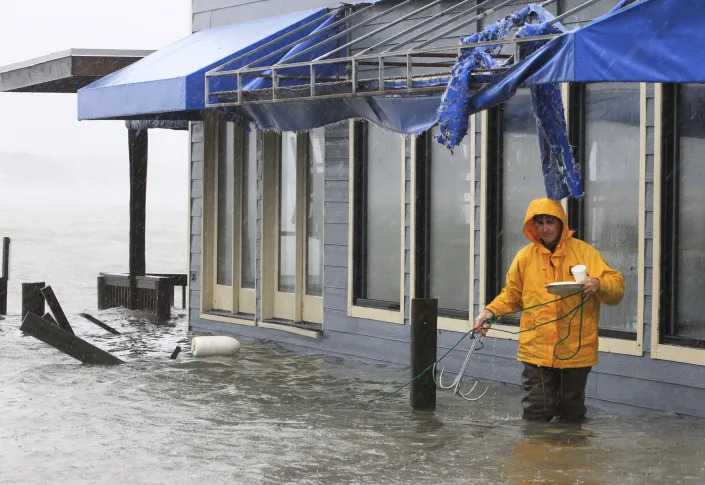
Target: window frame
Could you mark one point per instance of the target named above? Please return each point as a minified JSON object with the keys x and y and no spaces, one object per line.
{"x":301,"y":312}
{"x":491,"y":213}
{"x":358,"y":307}
{"x":667,"y":347}
{"x":491,"y":152}
{"x":241,"y":301}
{"x":575,"y":94}
{"x":422,"y":166}
{"x":493,"y":174}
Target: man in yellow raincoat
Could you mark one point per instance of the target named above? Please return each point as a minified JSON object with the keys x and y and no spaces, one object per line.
{"x":558,"y":356}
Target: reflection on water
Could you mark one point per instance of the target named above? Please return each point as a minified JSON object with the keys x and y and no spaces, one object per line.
{"x":268,"y":415}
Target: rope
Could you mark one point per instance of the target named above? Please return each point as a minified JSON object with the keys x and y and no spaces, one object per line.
{"x":495,"y":318}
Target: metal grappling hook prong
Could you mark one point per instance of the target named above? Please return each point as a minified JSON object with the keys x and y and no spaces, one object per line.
{"x":458,"y":382}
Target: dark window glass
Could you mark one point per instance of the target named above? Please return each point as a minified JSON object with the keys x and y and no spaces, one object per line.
{"x":377,"y":224}
{"x":609,"y":213}
{"x":514,"y":179}
{"x":683,"y":219}
{"x":226,"y":203}
{"x":443,"y":224}
{"x":287,"y":213}
{"x":249,"y":208}
{"x":314,"y":212}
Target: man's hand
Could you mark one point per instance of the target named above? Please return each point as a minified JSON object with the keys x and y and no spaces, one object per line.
{"x":479,"y":325}
{"x":591,"y":286}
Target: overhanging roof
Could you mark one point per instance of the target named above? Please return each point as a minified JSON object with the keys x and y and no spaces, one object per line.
{"x":66,"y":71}
{"x":656,"y":41}
{"x":169,"y":84}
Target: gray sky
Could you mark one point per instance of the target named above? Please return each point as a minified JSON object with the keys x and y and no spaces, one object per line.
{"x":45,"y":125}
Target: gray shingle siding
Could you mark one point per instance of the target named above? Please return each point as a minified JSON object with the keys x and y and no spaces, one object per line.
{"x":640,"y":382}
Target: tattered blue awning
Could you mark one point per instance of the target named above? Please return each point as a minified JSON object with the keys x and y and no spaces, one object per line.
{"x":170,"y":83}
{"x":649,"y":41}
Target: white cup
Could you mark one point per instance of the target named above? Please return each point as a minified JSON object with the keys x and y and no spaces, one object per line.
{"x":580,"y":272}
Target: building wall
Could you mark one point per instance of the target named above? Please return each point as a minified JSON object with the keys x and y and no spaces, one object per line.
{"x":619,"y":380}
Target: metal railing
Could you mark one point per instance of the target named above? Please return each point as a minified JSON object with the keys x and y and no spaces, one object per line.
{"x":409,"y":64}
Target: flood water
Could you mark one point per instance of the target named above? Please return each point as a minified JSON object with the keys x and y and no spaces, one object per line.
{"x":268,"y":415}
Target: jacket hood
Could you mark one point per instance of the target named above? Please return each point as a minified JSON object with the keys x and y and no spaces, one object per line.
{"x":544,"y":206}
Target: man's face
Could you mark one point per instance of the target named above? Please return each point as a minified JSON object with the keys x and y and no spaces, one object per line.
{"x":549,"y":228}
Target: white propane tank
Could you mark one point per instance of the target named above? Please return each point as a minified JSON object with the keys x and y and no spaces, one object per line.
{"x":204,"y":346}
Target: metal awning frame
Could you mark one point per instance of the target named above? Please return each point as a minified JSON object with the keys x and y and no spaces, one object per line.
{"x":355,"y":84}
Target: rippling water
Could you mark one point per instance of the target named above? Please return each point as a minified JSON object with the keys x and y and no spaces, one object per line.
{"x":266,"y":415}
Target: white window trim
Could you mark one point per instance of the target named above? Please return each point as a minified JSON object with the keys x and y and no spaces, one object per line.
{"x":606,"y":344}
{"x":297,"y":306}
{"x":661,"y":351}
{"x":617,"y":345}
{"x":392,"y":316}
{"x":209,"y":229}
{"x":443,"y":322}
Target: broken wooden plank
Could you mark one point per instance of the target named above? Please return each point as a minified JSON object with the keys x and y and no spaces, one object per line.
{"x":56,"y":309}
{"x":32,"y":298}
{"x":47,"y":316}
{"x":176,"y":351}
{"x":66,"y":342}
{"x":93,"y":319}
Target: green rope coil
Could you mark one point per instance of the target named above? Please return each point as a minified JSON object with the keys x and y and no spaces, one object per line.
{"x":572,"y":313}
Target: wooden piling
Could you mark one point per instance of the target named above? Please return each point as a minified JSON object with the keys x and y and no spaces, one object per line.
{"x":5,"y":274}
{"x":424,"y":339}
{"x":102,"y":325}
{"x":164,"y":294}
{"x":6,"y":257}
{"x":137,"y":141}
{"x":32,"y":298}
{"x":66,"y":342}
{"x":56,"y":309}
{"x":3,"y":295}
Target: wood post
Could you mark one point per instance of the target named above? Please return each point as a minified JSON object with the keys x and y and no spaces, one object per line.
{"x":175,"y":353}
{"x":164,"y":294}
{"x":3,"y":295}
{"x":32,"y":298}
{"x":102,"y":325}
{"x":5,"y":274}
{"x":66,"y":342}
{"x":424,"y":339}
{"x":103,"y":297}
{"x":56,"y":309}
{"x":137,"y":140}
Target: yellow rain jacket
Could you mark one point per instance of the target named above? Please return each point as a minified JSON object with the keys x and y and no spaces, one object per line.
{"x":533,"y":267}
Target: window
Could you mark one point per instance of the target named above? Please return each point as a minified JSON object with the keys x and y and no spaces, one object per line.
{"x":294,"y":198}
{"x":514,"y":178}
{"x":443,"y":225}
{"x":683,"y":216}
{"x":377,"y":218}
{"x":314,"y":213}
{"x":605,"y":126}
{"x":230,"y":218}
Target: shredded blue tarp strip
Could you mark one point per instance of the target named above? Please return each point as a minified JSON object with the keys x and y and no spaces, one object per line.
{"x":561,"y":176}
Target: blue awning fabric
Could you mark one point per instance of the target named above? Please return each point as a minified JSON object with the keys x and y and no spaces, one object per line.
{"x":648,"y":41}
{"x":170,"y":83}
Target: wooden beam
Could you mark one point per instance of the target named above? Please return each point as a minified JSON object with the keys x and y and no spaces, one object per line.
{"x":56,"y":309}
{"x":5,"y":274}
{"x":137,"y":141}
{"x":105,"y":326}
{"x":66,"y":342}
